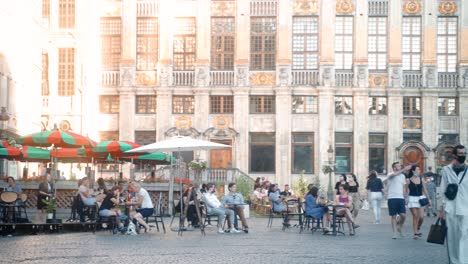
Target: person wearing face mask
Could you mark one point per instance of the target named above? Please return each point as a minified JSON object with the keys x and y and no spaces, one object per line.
{"x":341,"y":181}
{"x":456,"y":211}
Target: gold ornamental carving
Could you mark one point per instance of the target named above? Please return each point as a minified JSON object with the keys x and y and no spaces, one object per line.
{"x":411,"y":123}
{"x":305,"y":7}
{"x":447,"y":8}
{"x":223,"y":8}
{"x":344,"y":7}
{"x":146,"y":79}
{"x":412,"y":7}
{"x":262,"y":78}
{"x":377,"y":80}
{"x":183,"y":122}
{"x":221,"y":122}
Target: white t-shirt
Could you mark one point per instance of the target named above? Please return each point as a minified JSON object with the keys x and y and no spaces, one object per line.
{"x":396,"y":186}
{"x":147,"y":203}
{"x":83,"y":189}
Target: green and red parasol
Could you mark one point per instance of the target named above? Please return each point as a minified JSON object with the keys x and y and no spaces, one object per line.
{"x":155,"y":158}
{"x":115,"y":148}
{"x":57,"y":138}
{"x":34,"y":154}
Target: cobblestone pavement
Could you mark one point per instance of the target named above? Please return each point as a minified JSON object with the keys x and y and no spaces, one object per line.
{"x":372,"y":244}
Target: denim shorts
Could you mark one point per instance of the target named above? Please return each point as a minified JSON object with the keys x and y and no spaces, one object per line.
{"x":145,"y":212}
{"x":396,"y":206}
{"x":104,"y":212}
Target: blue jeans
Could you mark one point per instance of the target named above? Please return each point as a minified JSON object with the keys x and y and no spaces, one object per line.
{"x":221,"y":212}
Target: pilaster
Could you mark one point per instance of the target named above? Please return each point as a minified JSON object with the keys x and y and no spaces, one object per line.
{"x":429,"y":52}
{"x":126,"y":117}
{"x":361,"y":72}
{"x":166,"y":26}
{"x":326,"y":130}
{"x":128,"y":31}
{"x":395,"y":124}
{"x":283,"y":135}
{"x":242,"y":33}
{"x":203,"y":31}
{"x":202,"y":103}
{"x":163,"y":111}
{"x":241,"y":124}
{"x":361,"y":134}
{"x":394,"y":30}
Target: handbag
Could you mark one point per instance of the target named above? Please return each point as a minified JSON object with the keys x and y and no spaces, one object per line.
{"x":452,"y":188}
{"x":423,"y":202}
{"x":438,"y":232}
{"x":365,"y":205}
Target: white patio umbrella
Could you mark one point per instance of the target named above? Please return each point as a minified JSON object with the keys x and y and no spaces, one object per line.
{"x":178,"y":144}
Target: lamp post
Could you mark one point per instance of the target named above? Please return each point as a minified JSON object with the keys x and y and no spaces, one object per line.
{"x":330,"y":170}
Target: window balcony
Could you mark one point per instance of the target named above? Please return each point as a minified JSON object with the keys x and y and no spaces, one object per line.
{"x":183,"y":78}
{"x":305,"y":77}
{"x":412,"y":79}
{"x":147,"y":8}
{"x":221,"y":78}
{"x":448,"y":79}
{"x":110,"y":78}
{"x":344,"y":78}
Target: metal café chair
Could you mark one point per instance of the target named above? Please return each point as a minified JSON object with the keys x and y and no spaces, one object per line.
{"x":8,"y":200}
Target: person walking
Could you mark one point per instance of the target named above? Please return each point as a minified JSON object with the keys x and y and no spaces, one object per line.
{"x":396,"y":198}
{"x":455,"y":211}
{"x":416,"y":188}
{"x":375,"y":190}
{"x":354,"y":193}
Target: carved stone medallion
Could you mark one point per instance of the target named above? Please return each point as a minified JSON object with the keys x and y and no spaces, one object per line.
{"x":447,"y":8}
{"x":344,"y":7}
{"x":412,"y":7}
{"x":305,"y":7}
{"x":260,"y":79}
{"x":223,"y":8}
{"x":146,"y":79}
{"x":183,"y":122}
{"x":377,"y":80}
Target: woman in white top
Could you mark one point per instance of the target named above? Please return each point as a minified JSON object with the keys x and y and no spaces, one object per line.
{"x":85,"y":193}
{"x":143,"y":200}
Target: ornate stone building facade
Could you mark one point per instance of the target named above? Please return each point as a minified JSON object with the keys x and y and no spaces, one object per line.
{"x":281,"y":81}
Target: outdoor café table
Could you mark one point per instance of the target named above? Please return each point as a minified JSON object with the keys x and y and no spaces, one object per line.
{"x":293,"y":211}
{"x":334,"y":231}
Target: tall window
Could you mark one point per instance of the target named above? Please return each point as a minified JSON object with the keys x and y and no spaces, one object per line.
{"x":262,"y":43}
{"x":377,"y":153}
{"x":304,"y":104}
{"x":46,"y":9}
{"x":147,"y":43}
{"x":305,"y":43}
{"x":377,"y":105}
{"x":66,"y":68}
{"x":447,"y":44}
{"x":344,"y":42}
{"x":66,"y":13}
{"x":343,"y":105}
{"x":183,"y":104}
{"x":111,"y":43}
{"x":109,"y":104}
{"x":145,"y":137}
{"x":344,"y":152}
{"x":221,"y":104}
{"x":45,"y":75}
{"x":185,"y":44}
{"x":303,"y":152}
{"x":411,"y":46}
{"x":262,"y":152}
{"x":447,"y":106}
{"x":377,"y":48}
{"x":145,"y":104}
{"x":223,"y":39}
{"x":411,"y":106}
{"x":262,"y":104}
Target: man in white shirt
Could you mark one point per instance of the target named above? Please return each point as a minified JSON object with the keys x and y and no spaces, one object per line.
{"x":396,"y":195}
{"x":214,"y":206}
{"x":143,"y":200}
{"x":456,"y":210}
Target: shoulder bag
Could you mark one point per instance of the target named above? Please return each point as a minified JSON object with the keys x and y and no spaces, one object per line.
{"x":452,"y":188}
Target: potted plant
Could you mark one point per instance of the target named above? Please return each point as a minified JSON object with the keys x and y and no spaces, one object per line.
{"x":51,"y":207}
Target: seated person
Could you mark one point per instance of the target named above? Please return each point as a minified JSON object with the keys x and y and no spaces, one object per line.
{"x":345,"y":203}
{"x":85,"y":193}
{"x":214,"y":206}
{"x":315,"y":210}
{"x":287,"y":191}
{"x":234,"y":201}
{"x":143,"y":200}
{"x":192,"y":215}
{"x":108,"y":207}
{"x":277,"y":202}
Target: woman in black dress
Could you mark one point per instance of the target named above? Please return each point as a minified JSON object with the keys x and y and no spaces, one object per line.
{"x":44,"y":193}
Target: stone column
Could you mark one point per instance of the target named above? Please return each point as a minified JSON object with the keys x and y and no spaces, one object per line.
{"x":463,"y":90}
{"x":203,"y":31}
{"x":54,"y":15}
{"x":241,"y":124}
{"x":463,"y":98}
{"x":430,"y":123}
{"x":360,"y":52}
{"x":128,"y":31}
{"x":283,"y":59}
{"x":126,"y":115}
{"x":166,"y":25}
{"x":429,"y":52}
{"x":394,"y":30}
{"x":164,"y":106}
{"x":327,"y":43}
{"x":283,"y":135}
{"x":326,"y":132}
{"x":361,"y":135}
{"x":395,"y":124}
{"x":242,"y":33}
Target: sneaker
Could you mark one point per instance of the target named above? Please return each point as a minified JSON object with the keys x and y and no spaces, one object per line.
{"x":377,"y":222}
{"x":220,"y":231}
{"x":355,"y":226}
{"x":394,"y":236}
{"x":233,"y":230}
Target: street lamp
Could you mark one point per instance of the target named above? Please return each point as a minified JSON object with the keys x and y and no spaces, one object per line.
{"x":330,"y":170}
{"x":4,"y":117}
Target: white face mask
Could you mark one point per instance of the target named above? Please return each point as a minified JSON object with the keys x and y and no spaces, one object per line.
{"x":341,"y":178}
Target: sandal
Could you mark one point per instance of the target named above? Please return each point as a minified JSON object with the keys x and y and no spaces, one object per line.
{"x":352,"y":233}
{"x":416,"y":237}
